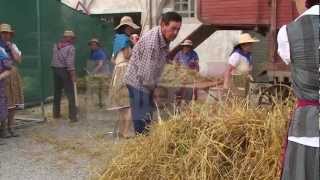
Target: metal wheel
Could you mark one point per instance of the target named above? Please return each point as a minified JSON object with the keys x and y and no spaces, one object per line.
{"x":279,"y":94}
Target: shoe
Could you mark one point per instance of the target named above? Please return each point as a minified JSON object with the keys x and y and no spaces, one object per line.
{"x":12,"y":133}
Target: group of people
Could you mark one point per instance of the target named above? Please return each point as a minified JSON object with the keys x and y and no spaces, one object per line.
{"x":138,"y":64}
{"x":11,"y":94}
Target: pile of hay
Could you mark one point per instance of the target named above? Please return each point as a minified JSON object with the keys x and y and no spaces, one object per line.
{"x":95,"y":88}
{"x":218,"y":142}
{"x":175,"y":75}
{"x":97,"y":82}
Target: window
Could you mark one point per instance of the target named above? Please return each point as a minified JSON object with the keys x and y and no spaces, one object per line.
{"x":186,"y":8}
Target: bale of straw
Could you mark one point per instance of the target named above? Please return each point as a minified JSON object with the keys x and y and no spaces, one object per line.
{"x":175,"y":75}
{"x":221,"y":141}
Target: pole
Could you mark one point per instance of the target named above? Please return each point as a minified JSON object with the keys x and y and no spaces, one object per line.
{"x":41,"y":64}
{"x":273,"y":29}
{"x":150,"y":14}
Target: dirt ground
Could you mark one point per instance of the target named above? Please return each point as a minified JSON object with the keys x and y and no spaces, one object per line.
{"x":58,"y":149}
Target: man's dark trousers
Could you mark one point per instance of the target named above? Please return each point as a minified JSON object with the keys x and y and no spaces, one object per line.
{"x":62,"y":81}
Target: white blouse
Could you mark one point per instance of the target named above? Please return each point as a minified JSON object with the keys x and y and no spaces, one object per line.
{"x":240,"y":63}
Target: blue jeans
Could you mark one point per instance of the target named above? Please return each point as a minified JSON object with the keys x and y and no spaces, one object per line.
{"x":142,"y":106}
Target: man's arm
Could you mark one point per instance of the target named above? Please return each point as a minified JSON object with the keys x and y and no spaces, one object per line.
{"x":99,"y":65}
{"x":71,"y":63}
{"x":227,"y":76}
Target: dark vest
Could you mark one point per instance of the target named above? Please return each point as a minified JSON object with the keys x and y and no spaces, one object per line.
{"x":304,"y":43}
{"x":304,"y":49}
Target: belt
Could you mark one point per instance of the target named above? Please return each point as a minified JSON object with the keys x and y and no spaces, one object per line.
{"x":304,"y":102}
{"x":123,"y":63}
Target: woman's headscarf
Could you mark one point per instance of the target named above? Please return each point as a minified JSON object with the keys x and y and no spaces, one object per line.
{"x":120,"y":42}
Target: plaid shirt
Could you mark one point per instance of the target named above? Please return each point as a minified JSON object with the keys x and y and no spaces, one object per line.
{"x":148,"y":59}
{"x":64,"y":57}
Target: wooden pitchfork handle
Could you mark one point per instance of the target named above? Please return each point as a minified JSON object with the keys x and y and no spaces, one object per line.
{"x":75,"y":93}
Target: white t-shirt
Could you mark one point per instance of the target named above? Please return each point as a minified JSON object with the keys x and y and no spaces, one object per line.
{"x":240,"y":63}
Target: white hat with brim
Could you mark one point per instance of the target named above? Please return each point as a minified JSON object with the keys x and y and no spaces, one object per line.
{"x":94,"y":40}
{"x":69,"y":33}
{"x":246,"y":38}
{"x":127,"y":20}
{"x":6,"y":28}
{"x":187,"y":43}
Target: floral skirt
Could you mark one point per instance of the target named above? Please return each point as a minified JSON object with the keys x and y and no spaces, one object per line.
{"x":118,"y":93}
{"x":14,"y":91}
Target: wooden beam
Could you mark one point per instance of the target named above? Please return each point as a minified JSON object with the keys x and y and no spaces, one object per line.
{"x":197,"y":37}
{"x":273,"y":31}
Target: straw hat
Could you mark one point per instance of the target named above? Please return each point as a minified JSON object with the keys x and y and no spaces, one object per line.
{"x":127,"y":20}
{"x":6,"y":28}
{"x":94,"y":40}
{"x":187,"y":43}
{"x":69,"y":33}
{"x":246,"y":38}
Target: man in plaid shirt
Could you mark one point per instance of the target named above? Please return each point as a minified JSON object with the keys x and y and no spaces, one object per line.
{"x":146,"y":65}
{"x":64,"y":74}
